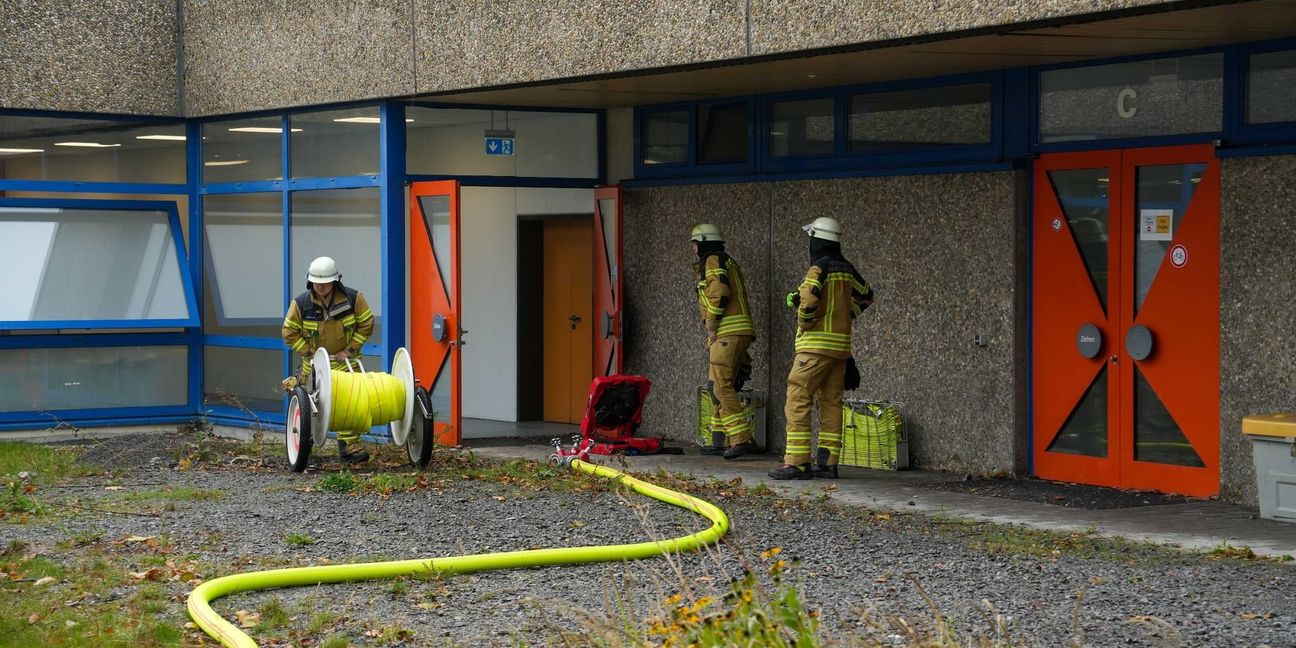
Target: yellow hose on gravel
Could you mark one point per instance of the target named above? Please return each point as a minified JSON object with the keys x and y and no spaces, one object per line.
{"x":225,"y":632}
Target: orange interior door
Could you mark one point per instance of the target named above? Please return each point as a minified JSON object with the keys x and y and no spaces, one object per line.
{"x":609,"y":299}
{"x":1076,"y":317}
{"x":1170,"y":319}
{"x":568,"y":326}
{"x":435,"y":301}
{"x":1126,"y":319}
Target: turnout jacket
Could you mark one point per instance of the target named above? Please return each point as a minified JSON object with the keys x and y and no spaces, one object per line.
{"x":722,"y":295}
{"x":831,"y":296}
{"x":344,"y":323}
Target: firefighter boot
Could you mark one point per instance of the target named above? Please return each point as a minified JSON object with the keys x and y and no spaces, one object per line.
{"x":347,"y":456}
{"x":739,"y":450}
{"x":823,"y":469}
{"x":786,"y":472}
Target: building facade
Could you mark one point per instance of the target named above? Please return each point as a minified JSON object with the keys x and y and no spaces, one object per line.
{"x":1076,"y":215}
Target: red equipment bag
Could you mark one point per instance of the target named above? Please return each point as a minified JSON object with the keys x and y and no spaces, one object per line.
{"x":613,"y":413}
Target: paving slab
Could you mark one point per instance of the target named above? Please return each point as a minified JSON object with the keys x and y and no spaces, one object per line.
{"x":1193,"y":525}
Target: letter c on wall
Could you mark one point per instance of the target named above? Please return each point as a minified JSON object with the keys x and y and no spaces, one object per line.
{"x":1123,"y":100}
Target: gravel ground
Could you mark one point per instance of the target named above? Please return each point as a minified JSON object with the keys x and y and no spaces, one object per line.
{"x":1060,"y":493}
{"x":852,"y":564}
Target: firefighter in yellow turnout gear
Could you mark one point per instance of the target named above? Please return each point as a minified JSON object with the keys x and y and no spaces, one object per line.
{"x":722,"y":301}
{"x":829,"y":299}
{"x":332,"y":317}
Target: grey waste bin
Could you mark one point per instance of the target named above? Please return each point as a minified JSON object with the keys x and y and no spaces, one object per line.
{"x":1273,"y":449}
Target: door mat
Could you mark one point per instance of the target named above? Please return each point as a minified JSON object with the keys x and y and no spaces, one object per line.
{"x":1060,"y":493}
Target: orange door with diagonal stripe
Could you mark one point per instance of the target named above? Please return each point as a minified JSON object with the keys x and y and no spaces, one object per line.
{"x":1125,"y":321}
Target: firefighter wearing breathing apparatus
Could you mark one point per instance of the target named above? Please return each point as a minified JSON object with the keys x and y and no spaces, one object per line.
{"x":332,"y":317}
{"x":722,"y":301}
{"x":829,"y":299}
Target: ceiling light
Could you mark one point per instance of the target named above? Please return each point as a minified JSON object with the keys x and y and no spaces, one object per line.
{"x":86,"y":144}
{"x":224,"y":162}
{"x":260,"y":129}
{"x":364,"y":120}
{"x":169,"y":138}
{"x":19,"y":151}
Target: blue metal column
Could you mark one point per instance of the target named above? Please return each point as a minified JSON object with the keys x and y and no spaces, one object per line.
{"x":391,"y":179}
{"x":193,"y":175}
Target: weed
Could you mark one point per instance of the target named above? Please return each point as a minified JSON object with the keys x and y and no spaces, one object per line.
{"x":273,"y":614}
{"x":398,"y":587}
{"x":16,"y":499}
{"x":343,"y":482}
{"x":47,"y":464}
{"x":320,"y":621}
{"x":299,"y":540}
{"x":1226,"y":550}
{"x":386,"y":483}
{"x":336,"y":641}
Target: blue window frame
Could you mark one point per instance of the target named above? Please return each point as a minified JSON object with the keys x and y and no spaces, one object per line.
{"x":721,"y":138}
{"x":1254,"y":120}
{"x":811,"y":130}
{"x":94,"y":264}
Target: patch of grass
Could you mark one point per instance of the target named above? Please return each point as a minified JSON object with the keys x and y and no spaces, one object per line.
{"x":81,"y":538}
{"x":1226,"y":550}
{"x":49,"y":464}
{"x":390,"y":482}
{"x":299,"y":540}
{"x":343,"y":482}
{"x":273,"y":614}
{"x":170,"y":494}
{"x":397,"y":587}
{"x":336,"y":641}
{"x":16,"y":499}
{"x":320,"y":621}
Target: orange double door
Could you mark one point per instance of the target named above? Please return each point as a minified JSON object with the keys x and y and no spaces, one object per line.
{"x":1125,"y":319}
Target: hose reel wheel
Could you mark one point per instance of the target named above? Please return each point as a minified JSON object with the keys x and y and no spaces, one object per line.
{"x":322,"y":383}
{"x":403,"y":369}
{"x":298,"y":437}
{"x":418,"y":444}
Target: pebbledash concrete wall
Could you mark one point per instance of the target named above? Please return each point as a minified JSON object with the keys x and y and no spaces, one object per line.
{"x":111,"y":56}
{"x":1257,"y":307}
{"x":243,"y":55}
{"x":939,"y":253}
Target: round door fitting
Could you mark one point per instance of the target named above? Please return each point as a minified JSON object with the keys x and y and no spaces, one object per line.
{"x":438,"y":327}
{"x":1139,"y":342}
{"x":1089,"y":341}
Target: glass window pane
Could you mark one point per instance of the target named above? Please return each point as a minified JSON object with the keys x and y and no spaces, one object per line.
{"x":803,"y":127}
{"x":1082,"y":194}
{"x":65,"y":264}
{"x":243,"y":264}
{"x":1085,"y":432}
{"x":1164,"y":193}
{"x":1138,"y":99}
{"x":83,"y":150}
{"x":545,"y":144}
{"x":436,"y":217}
{"x":722,"y":134}
{"x":1271,"y":87}
{"x":920,"y":118}
{"x":665,"y":137}
{"x":344,"y":224}
{"x":334,"y":143}
{"x":246,"y":379}
{"x":1157,"y":437}
{"x":242,"y":151}
{"x":34,"y":380}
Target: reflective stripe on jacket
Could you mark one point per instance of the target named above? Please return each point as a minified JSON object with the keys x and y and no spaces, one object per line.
{"x":346,"y":323}
{"x":832,"y":295}
{"x":722,"y":295}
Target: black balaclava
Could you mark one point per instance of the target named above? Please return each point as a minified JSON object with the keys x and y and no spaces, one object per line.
{"x":707,"y":248}
{"x":820,"y":248}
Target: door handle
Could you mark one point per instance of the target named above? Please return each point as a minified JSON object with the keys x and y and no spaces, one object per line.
{"x":573,"y":319}
{"x":1114,"y":360}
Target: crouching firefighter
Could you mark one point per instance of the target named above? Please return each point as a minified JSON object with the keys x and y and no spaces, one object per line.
{"x":332,"y":317}
{"x":829,"y":299}
{"x":722,"y":301}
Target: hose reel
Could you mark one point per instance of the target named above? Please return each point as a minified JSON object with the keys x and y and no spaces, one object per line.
{"x":333,"y":400}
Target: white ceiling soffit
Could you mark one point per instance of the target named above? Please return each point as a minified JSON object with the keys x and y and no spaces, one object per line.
{"x":1149,"y":33}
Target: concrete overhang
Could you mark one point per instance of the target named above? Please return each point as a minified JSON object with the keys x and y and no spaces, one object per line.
{"x":1170,"y":27}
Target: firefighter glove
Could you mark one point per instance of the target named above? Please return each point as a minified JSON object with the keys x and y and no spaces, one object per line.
{"x":793,"y":300}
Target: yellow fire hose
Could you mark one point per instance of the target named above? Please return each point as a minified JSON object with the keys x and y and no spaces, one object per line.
{"x":225,"y":632}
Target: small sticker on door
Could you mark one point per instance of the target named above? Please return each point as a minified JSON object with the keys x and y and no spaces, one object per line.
{"x":1179,"y":256}
{"x":1057,"y":224}
{"x":1156,"y":224}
